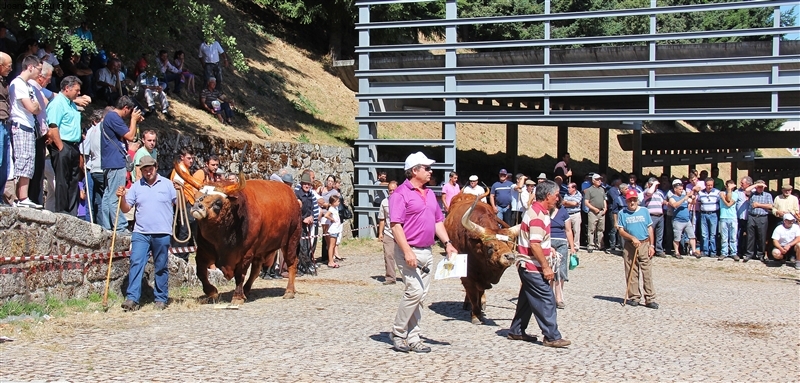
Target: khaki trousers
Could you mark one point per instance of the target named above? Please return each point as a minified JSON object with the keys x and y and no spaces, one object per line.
{"x":643,"y":267}
{"x":406,"y":322}
{"x":388,"y":258}
{"x":597,"y":225}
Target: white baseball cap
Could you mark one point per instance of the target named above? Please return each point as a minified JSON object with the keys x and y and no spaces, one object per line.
{"x":788,"y":217}
{"x":473,"y":178}
{"x":417,"y":159}
{"x":596,"y":176}
{"x":677,"y":182}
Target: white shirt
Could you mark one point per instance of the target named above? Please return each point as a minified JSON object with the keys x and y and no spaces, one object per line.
{"x":91,"y":147}
{"x":477,"y":190}
{"x":210,"y":53}
{"x":51,"y":57}
{"x":18,"y":90}
{"x":105,"y":75}
{"x":786,"y":236}
{"x":164,"y":67}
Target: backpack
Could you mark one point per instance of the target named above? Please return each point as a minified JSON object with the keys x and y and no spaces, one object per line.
{"x":344,"y":212}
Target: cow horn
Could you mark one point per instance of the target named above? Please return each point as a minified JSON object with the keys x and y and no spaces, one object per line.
{"x":513,"y":232}
{"x":183,"y":172}
{"x":472,"y":226}
{"x":237,"y":187}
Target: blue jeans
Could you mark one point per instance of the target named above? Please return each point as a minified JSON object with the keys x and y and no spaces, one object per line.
{"x":728,"y":230}
{"x":504,"y":213}
{"x":114,"y":179}
{"x":535,"y":298}
{"x":141,"y":246}
{"x":5,"y":145}
{"x":708,"y":230}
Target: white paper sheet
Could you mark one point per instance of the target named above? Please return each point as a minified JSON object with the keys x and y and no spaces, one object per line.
{"x":456,"y":267}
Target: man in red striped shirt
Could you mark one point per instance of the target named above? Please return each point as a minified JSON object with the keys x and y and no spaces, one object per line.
{"x":535,"y":273}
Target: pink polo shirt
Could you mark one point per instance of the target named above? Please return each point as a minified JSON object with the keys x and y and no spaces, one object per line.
{"x":418,"y":212}
{"x":449,"y":192}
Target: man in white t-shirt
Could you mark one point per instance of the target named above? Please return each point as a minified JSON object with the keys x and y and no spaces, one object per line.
{"x":786,"y":239}
{"x":386,"y":237}
{"x":24,"y":108}
{"x":473,"y":188}
{"x":210,"y":52}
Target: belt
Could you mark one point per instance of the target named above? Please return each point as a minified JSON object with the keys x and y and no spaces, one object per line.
{"x":656,"y":215}
{"x":574,"y":212}
{"x":211,"y":63}
{"x":420,"y":248}
{"x":708,"y":212}
{"x":758,"y":215}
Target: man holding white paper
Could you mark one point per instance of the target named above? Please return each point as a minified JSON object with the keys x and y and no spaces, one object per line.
{"x":415,"y":217}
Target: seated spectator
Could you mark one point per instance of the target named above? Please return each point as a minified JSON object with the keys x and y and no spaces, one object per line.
{"x":109,"y":82}
{"x":786,"y":238}
{"x":168,"y":73}
{"x":186,"y":76}
{"x":151,"y":90}
{"x":212,"y":100}
{"x":141,"y":65}
{"x":72,"y":67}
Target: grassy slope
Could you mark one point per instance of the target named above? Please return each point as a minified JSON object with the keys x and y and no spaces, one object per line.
{"x":289,"y":95}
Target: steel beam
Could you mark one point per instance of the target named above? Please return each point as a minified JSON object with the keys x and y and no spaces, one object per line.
{"x":705,"y":141}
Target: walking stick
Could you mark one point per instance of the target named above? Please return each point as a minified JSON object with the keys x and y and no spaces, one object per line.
{"x":630,"y":271}
{"x":111,"y":256}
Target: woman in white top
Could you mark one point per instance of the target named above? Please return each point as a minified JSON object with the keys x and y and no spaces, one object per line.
{"x":334,"y":230}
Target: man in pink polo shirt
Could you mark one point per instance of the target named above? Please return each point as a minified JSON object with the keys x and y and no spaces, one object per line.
{"x":415,"y":217}
{"x":450,"y":190}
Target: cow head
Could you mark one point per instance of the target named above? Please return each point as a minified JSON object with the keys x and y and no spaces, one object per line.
{"x":210,"y":200}
{"x":498,"y":243}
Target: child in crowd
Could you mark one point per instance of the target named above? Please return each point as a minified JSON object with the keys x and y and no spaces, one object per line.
{"x":335,"y":230}
{"x":83,"y":211}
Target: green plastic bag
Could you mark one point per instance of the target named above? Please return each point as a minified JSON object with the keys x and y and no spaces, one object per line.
{"x":573,"y":261}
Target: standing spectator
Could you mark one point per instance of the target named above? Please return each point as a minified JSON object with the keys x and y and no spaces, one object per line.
{"x":563,"y":169}
{"x":527,"y":195}
{"x":210,"y":172}
{"x":595,"y":200}
{"x":636,"y":228}
{"x":334,"y":229}
{"x":43,"y":96}
{"x":786,"y":239}
{"x":760,"y":205}
{"x":47,"y":55}
{"x":473,"y":188}
{"x":113,"y":135}
{"x":168,"y":73}
{"x":719,"y":184}
{"x":450,"y":190}
{"x":709,"y":212}
{"x":728,"y":222}
{"x":500,"y":197}
{"x":328,"y":191}
{"x":572,"y":202}
{"x":64,"y":121}
{"x":148,"y":149}
{"x":210,"y":52}
{"x":742,"y":213}
{"x":633,"y":183}
{"x":415,"y":218}
{"x":387,"y":238}
{"x":517,"y":207}
{"x":153,"y":196}
{"x":535,"y":295}
{"x":666,"y":190}
{"x":24,"y":127}
{"x":186,"y":76}
{"x":785,"y":203}
{"x":615,"y":196}
{"x":681,"y":218}
{"x":5,"y":115}
{"x":215,"y":102}
{"x":562,"y":241}
{"x":653,"y":200}
{"x":91,"y":149}
{"x":305,"y":196}
{"x":380,"y":195}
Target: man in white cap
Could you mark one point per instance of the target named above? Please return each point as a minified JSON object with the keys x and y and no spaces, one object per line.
{"x":473,"y":188}
{"x":415,"y":217}
{"x":595,"y":200}
{"x":786,"y":238}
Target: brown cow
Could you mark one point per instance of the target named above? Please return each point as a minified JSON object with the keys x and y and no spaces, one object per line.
{"x":243,"y":224}
{"x":488,"y":242}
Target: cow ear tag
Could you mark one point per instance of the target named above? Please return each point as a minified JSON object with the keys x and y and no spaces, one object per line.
{"x":501,"y":237}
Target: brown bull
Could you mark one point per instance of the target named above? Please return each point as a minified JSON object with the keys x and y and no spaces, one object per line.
{"x":242,"y":225}
{"x":488,"y":242}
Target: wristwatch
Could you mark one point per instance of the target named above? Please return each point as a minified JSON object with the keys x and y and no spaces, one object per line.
{"x":448,"y":242}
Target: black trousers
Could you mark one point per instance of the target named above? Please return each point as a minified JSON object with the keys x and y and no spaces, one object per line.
{"x":66,"y":164}
{"x":756,"y":235}
{"x":35,"y":188}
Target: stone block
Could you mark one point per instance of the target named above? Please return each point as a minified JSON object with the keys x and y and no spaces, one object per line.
{"x":11,"y":283}
{"x":43,"y":217}
{"x":81,"y":232}
{"x":8,"y":217}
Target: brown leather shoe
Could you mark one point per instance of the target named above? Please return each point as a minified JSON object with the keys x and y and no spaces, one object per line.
{"x":523,"y":336}
{"x":558,"y":343}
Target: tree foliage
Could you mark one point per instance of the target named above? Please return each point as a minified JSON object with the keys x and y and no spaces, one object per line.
{"x":723,"y":126}
{"x":127,"y":27}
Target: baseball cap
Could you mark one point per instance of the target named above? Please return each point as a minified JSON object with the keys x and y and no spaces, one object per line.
{"x":788,"y":217}
{"x":596,"y":176}
{"x":677,"y":182}
{"x":473,"y":178}
{"x":503,"y":171}
{"x":147,"y":161}
{"x":417,"y":159}
{"x":631,"y":194}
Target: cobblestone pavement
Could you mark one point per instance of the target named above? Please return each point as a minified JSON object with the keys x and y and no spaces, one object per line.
{"x":718,"y":321}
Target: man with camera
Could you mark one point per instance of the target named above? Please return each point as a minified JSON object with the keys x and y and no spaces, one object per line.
{"x":415,"y":217}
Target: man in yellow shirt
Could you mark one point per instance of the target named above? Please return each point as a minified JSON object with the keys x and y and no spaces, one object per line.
{"x":785,"y":203}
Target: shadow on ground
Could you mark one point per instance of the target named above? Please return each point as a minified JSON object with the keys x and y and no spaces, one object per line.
{"x":609,"y":299}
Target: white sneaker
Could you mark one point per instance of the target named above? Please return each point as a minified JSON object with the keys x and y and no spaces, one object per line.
{"x":28,"y":203}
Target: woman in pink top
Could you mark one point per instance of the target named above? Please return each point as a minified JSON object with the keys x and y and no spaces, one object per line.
{"x":450,"y":190}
